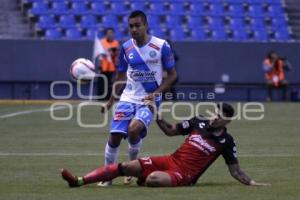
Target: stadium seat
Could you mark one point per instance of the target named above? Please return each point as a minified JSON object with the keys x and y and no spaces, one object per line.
{"x":177,"y":34}
{"x":67,"y":21}
{"x":219,"y":34}
{"x":88,"y":21}
{"x":240,"y":35}
{"x":59,"y":8}
{"x":261,"y":35}
{"x":235,"y":10}
{"x":194,"y":21}
{"x":177,"y":7}
{"x":45,"y":22}
{"x":98,"y":8}
{"x":257,"y":23}
{"x":119,"y":8}
{"x":282,"y":35}
{"x":196,"y":9}
{"x":215,"y":22}
{"x":173,"y":20}
{"x":215,"y":10}
{"x":156,"y":32}
{"x":109,"y":20}
{"x":53,"y":34}
{"x":157,"y":8}
{"x":73,"y":34}
{"x":198,"y":34}
{"x":39,"y":8}
{"x":255,"y":11}
{"x":138,"y":5}
{"x":275,"y":11}
{"x":236,"y":23}
{"x":79,"y":8}
{"x":153,"y":20}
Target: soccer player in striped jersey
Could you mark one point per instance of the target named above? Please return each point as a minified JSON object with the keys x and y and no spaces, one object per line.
{"x":142,"y":60}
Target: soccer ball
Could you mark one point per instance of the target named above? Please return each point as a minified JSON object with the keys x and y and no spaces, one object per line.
{"x":83,"y":70}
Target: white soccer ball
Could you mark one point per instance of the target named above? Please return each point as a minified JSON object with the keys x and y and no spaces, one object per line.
{"x":82,"y":69}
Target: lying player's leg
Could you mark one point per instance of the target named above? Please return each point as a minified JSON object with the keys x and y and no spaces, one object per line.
{"x":105,"y":173}
{"x":159,"y":179}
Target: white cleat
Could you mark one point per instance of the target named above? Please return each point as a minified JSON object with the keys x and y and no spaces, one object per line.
{"x":128,"y":180}
{"x":104,"y":184}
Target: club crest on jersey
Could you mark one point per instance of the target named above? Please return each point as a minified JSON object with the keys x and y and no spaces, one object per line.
{"x":152,"y":54}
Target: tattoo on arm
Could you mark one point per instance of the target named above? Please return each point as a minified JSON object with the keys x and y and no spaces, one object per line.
{"x":238,"y":174}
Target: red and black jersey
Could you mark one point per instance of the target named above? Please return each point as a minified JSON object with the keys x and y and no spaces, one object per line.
{"x":201,"y":148}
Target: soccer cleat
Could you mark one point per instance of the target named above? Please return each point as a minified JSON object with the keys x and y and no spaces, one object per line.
{"x":104,"y":183}
{"x":128,"y":180}
{"x":67,"y":176}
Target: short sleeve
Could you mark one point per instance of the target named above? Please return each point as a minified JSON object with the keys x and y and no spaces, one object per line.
{"x":230,"y":152}
{"x":185,"y":127}
{"x":122,"y":62}
{"x":168,"y":60}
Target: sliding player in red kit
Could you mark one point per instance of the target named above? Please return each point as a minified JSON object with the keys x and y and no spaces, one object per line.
{"x":206,"y":141}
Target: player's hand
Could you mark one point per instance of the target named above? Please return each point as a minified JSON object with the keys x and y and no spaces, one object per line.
{"x":108,"y":105}
{"x":254,"y":183}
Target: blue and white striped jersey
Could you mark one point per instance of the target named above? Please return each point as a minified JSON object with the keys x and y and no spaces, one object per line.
{"x":144,"y":67}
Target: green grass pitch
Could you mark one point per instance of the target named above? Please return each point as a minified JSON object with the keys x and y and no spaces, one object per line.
{"x":33,"y":148}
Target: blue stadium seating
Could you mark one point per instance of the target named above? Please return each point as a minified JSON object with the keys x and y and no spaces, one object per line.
{"x":53,"y":34}
{"x":88,"y":21}
{"x":59,"y":8}
{"x":79,"y":8}
{"x":177,"y":19}
{"x":44,"y":22}
{"x":39,"y":8}
{"x":73,"y":34}
{"x":67,"y":21}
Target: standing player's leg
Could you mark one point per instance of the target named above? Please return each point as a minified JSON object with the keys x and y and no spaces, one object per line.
{"x":136,"y":131}
{"x":118,"y":130}
{"x":104,"y":174}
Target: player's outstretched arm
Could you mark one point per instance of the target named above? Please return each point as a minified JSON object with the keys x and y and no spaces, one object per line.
{"x":242,"y":177}
{"x":167,"y":128}
{"x":120,"y":77}
{"x":166,"y":84}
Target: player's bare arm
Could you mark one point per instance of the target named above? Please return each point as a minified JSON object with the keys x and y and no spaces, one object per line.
{"x":120,"y":76}
{"x":242,"y":177}
{"x":166,"y":84}
{"x":167,"y":128}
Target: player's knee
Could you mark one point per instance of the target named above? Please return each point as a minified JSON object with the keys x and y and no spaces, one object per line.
{"x":153,"y":180}
{"x":124,"y":168}
{"x":134,"y":131}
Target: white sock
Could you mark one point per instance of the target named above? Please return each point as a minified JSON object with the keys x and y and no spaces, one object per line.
{"x":111,"y":154}
{"x":133,"y":150}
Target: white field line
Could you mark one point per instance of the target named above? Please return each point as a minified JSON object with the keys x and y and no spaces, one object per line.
{"x":26,"y":112}
{"x":57,"y":154}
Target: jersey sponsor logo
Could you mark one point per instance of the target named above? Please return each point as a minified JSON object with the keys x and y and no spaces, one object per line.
{"x":142,"y":76}
{"x":201,"y":143}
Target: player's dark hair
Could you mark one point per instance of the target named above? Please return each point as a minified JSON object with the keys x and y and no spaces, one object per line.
{"x":226,"y":109}
{"x":139,"y":13}
{"x":108,"y":29}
